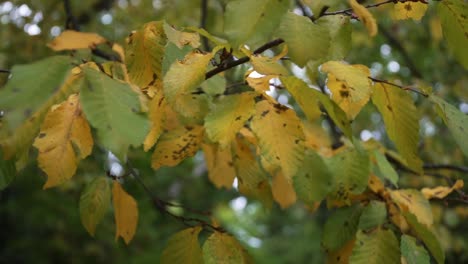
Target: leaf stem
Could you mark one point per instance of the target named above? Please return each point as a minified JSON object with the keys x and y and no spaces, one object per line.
{"x":406,"y":88}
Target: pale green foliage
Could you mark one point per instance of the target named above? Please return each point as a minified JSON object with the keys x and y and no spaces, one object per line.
{"x":223,"y":248}
{"x":385,"y":168}
{"x":373,"y":215}
{"x":412,"y":252}
{"x":183,"y":247}
{"x":94,"y":203}
{"x":379,"y":246}
{"x":341,"y":227}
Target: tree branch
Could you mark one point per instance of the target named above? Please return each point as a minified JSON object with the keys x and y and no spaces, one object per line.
{"x":162,"y":206}
{"x":232,"y":64}
{"x":406,"y":88}
{"x":5,"y":71}
{"x":203,"y":17}
{"x":462,"y":169}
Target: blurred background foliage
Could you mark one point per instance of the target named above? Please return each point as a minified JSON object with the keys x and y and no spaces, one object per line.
{"x":40,"y":226}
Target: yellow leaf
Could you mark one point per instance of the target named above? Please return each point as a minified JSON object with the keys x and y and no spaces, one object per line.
{"x":283,"y":191}
{"x":228,"y":115}
{"x":176,"y":145}
{"x":64,"y":139}
{"x":365,"y":16}
{"x":414,"y":202}
{"x":70,"y":40}
{"x":183,"y":247}
{"x":125,"y":212}
{"x":223,"y":248}
{"x":221,"y":170}
{"x":120,"y":51}
{"x":180,"y":39}
{"x":407,"y":10}
{"x":341,"y":256}
{"x":317,"y":138}
{"x":253,"y":181}
{"x":304,"y":95}
{"x":157,"y":106}
{"x":281,"y":138}
{"x":441,"y":191}
{"x":349,"y":85}
{"x":260,"y":84}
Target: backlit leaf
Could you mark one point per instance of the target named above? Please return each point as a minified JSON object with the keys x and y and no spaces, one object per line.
{"x":144,"y":52}
{"x":305,"y":96}
{"x":414,"y":202}
{"x":227,"y":116}
{"x":427,"y":236}
{"x":373,"y":215}
{"x":341,"y":227}
{"x":341,"y":256}
{"x":253,"y":181}
{"x":306,"y":40}
{"x":220,"y":166}
{"x":268,"y":66}
{"x":313,"y":180}
{"x":414,"y":10}
{"x":386,"y":168}
{"x":456,"y":121}
{"x":70,"y":40}
{"x":65,"y":136}
{"x":125,"y":212}
{"x":180,"y":38}
{"x":183,"y":247}
{"x":281,"y":138}
{"x":453,"y":17}
{"x":157,"y":107}
{"x":176,"y":145}
{"x":441,"y":192}
{"x":283,"y":191}
{"x":94,"y":203}
{"x":113,"y":108}
{"x":365,"y":16}
{"x":401,"y":120}
{"x":412,"y":252}
{"x":223,"y":248}
{"x":28,"y":95}
{"x":252,"y":22}
{"x":380,"y":246}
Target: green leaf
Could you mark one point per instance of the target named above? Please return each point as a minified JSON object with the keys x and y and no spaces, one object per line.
{"x":386,"y":168}
{"x":94,"y":203}
{"x":183,"y":247}
{"x":427,"y":236}
{"x":340,"y":35}
{"x":374,"y":214}
{"x":351,"y":169}
{"x":144,"y":54}
{"x":341,"y":227}
{"x":113,"y":108}
{"x":412,"y":252}
{"x":281,"y":138}
{"x":305,"y":96}
{"x":171,"y":54}
{"x":453,"y":17}
{"x":227,"y":116}
{"x":223,"y":248}
{"x":252,"y":22}
{"x":306,"y":40}
{"x":214,"y":86}
{"x":7,"y":171}
{"x":313,"y":180}
{"x":456,"y":121}
{"x":401,"y":121}
{"x":27,"y":97}
{"x":379,"y":247}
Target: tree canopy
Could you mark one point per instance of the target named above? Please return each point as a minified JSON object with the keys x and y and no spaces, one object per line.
{"x":270,"y":131}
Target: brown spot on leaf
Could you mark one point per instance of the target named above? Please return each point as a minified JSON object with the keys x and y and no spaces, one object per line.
{"x":264,"y":113}
{"x":27,"y":112}
{"x":408,"y":7}
{"x":41,"y":135}
{"x":344,"y":94}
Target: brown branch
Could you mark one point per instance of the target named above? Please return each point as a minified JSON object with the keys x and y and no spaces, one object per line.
{"x":232,"y":64}
{"x":162,"y":206}
{"x":406,"y":88}
{"x":462,"y":169}
{"x":5,"y":71}
{"x":203,"y":17}
{"x":348,"y":12}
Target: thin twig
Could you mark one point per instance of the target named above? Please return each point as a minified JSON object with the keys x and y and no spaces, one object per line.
{"x":71,"y":22}
{"x":462,"y":169}
{"x":5,"y":71}
{"x":348,"y":12}
{"x":232,"y":64}
{"x":406,"y":88}
{"x":203,"y":17}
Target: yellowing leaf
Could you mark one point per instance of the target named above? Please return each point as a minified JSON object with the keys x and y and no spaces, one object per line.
{"x":401,"y":120}
{"x":341,"y":227}
{"x":341,"y":256}
{"x":219,"y":163}
{"x":125,"y":212}
{"x":253,"y":181}
{"x":365,"y":16}
{"x":304,"y":96}
{"x":283,"y":191}
{"x":180,"y":38}
{"x":378,"y":247}
{"x":414,"y":202}
{"x":227,"y":116}
{"x":70,"y":40}
{"x":157,"y":107}
{"x":183,"y":247}
{"x":411,"y":252}
{"x":281,"y":138}
{"x":268,"y":66}
{"x":441,"y":191}
{"x":223,"y":248}
{"x":176,"y":145}
{"x":144,"y":55}
{"x":94,"y":203}
{"x":63,"y":129}
{"x":260,"y":84}
{"x":407,"y":10}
